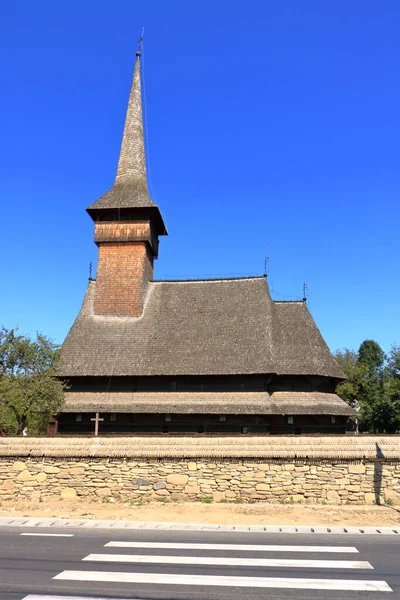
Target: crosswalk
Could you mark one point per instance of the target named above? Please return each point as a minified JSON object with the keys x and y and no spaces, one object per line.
{"x":252,"y":566}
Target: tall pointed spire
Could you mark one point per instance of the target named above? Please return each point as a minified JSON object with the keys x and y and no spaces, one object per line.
{"x":132,"y":158}
{"x":130,"y":189}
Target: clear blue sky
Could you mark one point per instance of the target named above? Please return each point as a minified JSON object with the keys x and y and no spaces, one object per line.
{"x":270,"y":125}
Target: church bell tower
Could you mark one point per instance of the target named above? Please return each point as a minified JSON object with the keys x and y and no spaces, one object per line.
{"x":127,"y":222}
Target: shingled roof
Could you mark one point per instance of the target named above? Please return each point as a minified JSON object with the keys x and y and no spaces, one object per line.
{"x":229,"y":403}
{"x":205,"y":327}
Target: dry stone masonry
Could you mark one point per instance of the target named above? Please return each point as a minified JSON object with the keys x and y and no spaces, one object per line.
{"x":225,"y":480}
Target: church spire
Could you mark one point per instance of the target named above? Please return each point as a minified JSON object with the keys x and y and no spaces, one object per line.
{"x":129,"y":193}
{"x":132,"y":158}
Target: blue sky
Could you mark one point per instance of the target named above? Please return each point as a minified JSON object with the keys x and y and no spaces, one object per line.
{"x":273,"y":128}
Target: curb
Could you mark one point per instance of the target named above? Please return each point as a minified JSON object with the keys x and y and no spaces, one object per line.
{"x":124,"y":525}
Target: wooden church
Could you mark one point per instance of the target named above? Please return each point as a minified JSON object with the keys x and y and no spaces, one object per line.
{"x":207,"y":356}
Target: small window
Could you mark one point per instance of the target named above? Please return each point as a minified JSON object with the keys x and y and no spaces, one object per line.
{"x":167,"y":418}
{"x":333,"y":420}
{"x":113,"y":417}
{"x":244,"y":429}
{"x":78,"y":418}
{"x":222,"y":418}
{"x":172,"y":386}
{"x":290,"y":420}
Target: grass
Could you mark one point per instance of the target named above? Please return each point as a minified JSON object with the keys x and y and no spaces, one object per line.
{"x":137,"y":501}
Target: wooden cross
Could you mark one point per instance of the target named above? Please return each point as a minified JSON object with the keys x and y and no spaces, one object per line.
{"x":96,"y":423}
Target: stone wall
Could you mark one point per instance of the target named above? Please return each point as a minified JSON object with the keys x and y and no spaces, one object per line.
{"x":227,"y":480}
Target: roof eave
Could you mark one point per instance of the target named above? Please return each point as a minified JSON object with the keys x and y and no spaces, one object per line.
{"x":95,"y":211}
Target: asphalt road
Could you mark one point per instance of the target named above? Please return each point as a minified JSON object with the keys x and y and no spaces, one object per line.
{"x":179,"y":565}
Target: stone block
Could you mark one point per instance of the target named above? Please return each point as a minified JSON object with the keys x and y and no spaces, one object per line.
{"x":192,"y":466}
{"x":297,"y":498}
{"x":50,"y":470}
{"x":162,"y":493}
{"x":177,"y":479}
{"x":103,"y":492}
{"x":333,"y":497}
{"x":18,"y":466}
{"x":289,"y":467}
{"x":160,"y":485}
{"x":8,"y":484}
{"x":24,"y":476}
{"x":394,"y":497}
{"x":230,"y":494}
{"x":357,"y":469}
{"x":41,"y":477}
{"x":369,"y":498}
{"x":68,"y":493}
{"x":141,"y":482}
{"x":218,"y":496}
{"x":262,"y":467}
{"x":192,"y":489}
{"x":261,"y":487}
{"x":353,"y":488}
{"x":178,"y":497}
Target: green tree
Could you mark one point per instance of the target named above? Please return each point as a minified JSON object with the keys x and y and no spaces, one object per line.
{"x":371,"y":354}
{"x":372,"y":385}
{"x":349,"y":389}
{"x":394,"y":362}
{"x":376,"y":413}
{"x":29,"y":389}
{"x":393,"y":380}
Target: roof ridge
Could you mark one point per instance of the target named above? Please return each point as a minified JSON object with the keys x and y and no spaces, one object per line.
{"x":214,"y":279}
{"x":289,"y":301}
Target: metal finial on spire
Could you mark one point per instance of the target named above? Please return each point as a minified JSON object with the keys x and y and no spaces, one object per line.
{"x":305,"y":289}
{"x":140,"y":44}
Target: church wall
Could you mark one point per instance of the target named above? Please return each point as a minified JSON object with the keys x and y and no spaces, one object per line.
{"x":71,"y":423}
{"x":222,"y":480}
{"x":205,"y":383}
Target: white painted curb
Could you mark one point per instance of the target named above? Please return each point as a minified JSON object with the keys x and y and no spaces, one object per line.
{"x":92,"y":524}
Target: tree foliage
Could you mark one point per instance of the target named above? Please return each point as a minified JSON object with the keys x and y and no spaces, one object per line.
{"x":29,"y":389}
{"x":372,"y":385}
{"x":372,"y":356}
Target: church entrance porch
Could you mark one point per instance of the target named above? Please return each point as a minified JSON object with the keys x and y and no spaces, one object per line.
{"x":164,"y":424}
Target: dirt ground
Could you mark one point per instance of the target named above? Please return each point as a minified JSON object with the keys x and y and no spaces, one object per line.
{"x":196,"y":512}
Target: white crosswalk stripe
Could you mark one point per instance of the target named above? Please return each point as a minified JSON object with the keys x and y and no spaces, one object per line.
{"x":231,"y":562}
{"x":49,"y":534}
{"x":240,"y":547}
{"x":206,"y":559}
{"x":353,"y":585}
{"x":47,"y":597}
